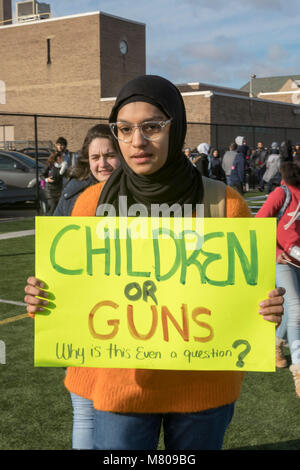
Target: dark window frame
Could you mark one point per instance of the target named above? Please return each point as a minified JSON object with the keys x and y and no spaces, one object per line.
{"x":48,"y":51}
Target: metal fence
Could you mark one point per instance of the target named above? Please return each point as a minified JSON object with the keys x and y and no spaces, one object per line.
{"x":220,"y":136}
{"x":22,"y":144}
{"x":255,"y":202}
{"x":41,"y":130}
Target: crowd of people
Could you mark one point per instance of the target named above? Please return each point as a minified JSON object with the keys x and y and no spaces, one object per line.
{"x":137,"y":155}
{"x":242,"y":167}
{"x":275,"y":170}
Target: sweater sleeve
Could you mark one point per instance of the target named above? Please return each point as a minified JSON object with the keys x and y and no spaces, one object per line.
{"x":236,"y":205}
{"x":86,"y":203}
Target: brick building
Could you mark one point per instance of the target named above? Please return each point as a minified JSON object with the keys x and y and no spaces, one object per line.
{"x":66,"y":66}
{"x":75,"y":66}
{"x":282,"y":88}
{"x":217,"y":116}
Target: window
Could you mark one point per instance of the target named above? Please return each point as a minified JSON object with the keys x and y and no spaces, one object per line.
{"x":48,"y":51}
{"x":6,"y":163}
{"x":2,"y":92}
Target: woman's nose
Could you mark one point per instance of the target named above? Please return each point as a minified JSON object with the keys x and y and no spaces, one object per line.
{"x":102,"y":162}
{"x":138,"y":140}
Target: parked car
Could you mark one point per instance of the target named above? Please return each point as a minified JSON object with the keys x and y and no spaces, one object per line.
{"x":43,"y":153}
{"x":12,"y":196}
{"x":18,"y":169}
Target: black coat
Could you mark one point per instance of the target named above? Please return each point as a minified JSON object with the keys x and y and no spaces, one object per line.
{"x":70,"y":193}
{"x":202,"y":164}
{"x":216,"y":169}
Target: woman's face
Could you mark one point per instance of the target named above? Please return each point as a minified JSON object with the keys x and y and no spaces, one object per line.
{"x":143,"y":156}
{"x":215,"y":153}
{"x":103,"y":158}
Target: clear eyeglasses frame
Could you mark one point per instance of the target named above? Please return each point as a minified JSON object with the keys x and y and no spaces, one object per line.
{"x":150,"y":130}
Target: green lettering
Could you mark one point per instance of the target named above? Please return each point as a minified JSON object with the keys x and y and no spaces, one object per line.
{"x":97,"y":251}
{"x":53,"y":247}
{"x":210,"y":258}
{"x":118,"y":253}
{"x":250,"y":269}
{"x":192,"y":259}
{"x":172,"y":271}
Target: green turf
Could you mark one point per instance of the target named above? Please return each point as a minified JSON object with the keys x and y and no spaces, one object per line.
{"x":35,"y":408}
{"x":14,"y":226}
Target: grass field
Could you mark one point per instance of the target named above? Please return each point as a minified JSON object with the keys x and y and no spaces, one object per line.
{"x":35,"y":409}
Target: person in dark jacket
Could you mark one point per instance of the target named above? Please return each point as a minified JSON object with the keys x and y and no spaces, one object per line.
{"x":216,"y":169}
{"x":201,"y":162}
{"x":259,"y":159}
{"x":98,"y":159}
{"x":286,"y":151}
{"x":238,"y":172}
{"x":53,"y":176}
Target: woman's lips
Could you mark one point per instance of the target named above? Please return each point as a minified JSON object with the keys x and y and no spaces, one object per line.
{"x":140,"y":158}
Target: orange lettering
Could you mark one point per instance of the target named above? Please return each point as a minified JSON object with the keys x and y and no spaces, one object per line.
{"x":184,"y":331}
{"x":199,"y":311}
{"x":131,"y":325}
{"x":114,"y":323}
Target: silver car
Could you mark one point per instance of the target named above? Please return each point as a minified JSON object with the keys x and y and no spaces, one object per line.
{"x":17,"y":169}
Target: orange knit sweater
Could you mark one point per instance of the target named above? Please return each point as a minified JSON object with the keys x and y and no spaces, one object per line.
{"x":154,"y":391}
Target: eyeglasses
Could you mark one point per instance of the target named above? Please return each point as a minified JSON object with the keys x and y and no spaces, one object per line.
{"x":150,"y":130}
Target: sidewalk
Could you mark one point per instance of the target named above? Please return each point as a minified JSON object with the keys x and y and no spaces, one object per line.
{"x":23,"y":233}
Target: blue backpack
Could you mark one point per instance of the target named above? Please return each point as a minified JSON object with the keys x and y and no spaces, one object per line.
{"x":287,"y":200}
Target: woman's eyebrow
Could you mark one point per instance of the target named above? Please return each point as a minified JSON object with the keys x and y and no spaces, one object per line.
{"x":93,"y":155}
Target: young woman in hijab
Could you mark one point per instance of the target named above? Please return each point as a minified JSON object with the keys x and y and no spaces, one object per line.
{"x":149,"y":123}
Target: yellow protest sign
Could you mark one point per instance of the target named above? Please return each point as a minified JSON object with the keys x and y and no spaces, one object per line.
{"x":155,"y":293}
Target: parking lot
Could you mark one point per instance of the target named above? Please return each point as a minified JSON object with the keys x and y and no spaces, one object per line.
{"x":18,"y":175}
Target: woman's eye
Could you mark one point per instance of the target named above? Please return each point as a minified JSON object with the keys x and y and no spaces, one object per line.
{"x":125,"y":129}
{"x":151,"y":127}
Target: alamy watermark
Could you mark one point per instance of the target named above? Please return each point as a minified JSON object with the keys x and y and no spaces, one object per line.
{"x":2,"y":352}
{"x":183,"y":221}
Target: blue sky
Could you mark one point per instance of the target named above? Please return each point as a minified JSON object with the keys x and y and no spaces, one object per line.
{"x":211,"y":41}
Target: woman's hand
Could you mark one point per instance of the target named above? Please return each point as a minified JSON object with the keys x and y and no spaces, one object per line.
{"x":271,"y":309}
{"x":34,"y":289}
{"x":283,"y":258}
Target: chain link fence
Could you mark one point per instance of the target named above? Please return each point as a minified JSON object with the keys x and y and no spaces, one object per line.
{"x":40,"y":131}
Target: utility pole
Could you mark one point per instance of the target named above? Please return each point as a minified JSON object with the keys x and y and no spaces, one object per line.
{"x":252,"y":77}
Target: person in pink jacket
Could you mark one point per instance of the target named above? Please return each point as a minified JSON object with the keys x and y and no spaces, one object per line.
{"x":284,"y":203}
